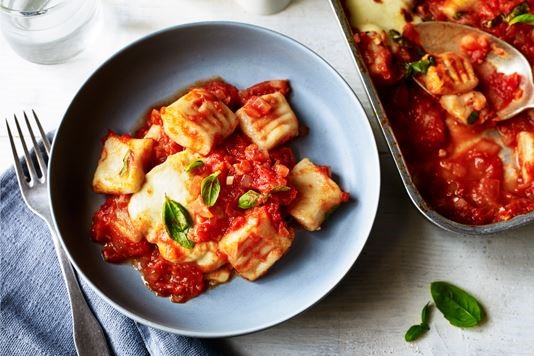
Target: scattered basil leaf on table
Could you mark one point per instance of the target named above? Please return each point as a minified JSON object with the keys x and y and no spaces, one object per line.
{"x":419,"y":67}
{"x":425,"y":313}
{"x":416,"y":331}
{"x":459,"y":307}
{"x":248,"y":200}
{"x":177,"y":222}
{"x":195,"y":164}
{"x":524,"y":18}
{"x":210,"y":189}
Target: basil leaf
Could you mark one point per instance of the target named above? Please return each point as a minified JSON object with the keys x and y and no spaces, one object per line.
{"x":419,"y":67}
{"x":125,"y":162}
{"x":524,"y":18}
{"x":210,"y":188}
{"x":520,"y":9}
{"x":425,"y":314}
{"x":280,"y":188}
{"x":177,"y":222}
{"x":248,"y":200}
{"x":473,"y":117}
{"x":415,"y":331}
{"x":459,"y":307}
{"x":396,"y":37}
{"x":195,"y":164}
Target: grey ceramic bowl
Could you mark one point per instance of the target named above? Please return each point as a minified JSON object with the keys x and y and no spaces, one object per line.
{"x":151,"y":70}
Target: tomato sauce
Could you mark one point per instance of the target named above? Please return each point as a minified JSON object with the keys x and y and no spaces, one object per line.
{"x":458,"y":169}
{"x":242,"y":167}
{"x":180,"y":282}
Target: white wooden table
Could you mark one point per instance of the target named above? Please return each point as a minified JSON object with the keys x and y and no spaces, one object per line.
{"x":369,"y":312}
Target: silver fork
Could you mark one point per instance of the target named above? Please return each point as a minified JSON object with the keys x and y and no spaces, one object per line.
{"x":88,"y":336}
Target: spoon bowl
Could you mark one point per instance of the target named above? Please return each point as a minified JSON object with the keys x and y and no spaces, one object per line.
{"x":438,"y":37}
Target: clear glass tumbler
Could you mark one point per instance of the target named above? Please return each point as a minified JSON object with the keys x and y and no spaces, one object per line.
{"x":48,"y":31}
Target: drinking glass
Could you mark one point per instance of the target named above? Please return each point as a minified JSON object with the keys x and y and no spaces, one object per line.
{"x":48,"y":31}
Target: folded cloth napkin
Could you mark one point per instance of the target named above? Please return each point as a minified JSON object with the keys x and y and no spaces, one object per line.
{"x":34,"y":308}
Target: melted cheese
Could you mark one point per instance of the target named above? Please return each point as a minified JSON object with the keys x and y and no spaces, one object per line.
{"x":168,"y":178}
{"x":370,"y":15}
{"x":146,"y":210}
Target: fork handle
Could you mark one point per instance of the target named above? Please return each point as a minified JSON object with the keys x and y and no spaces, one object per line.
{"x":89,"y":337}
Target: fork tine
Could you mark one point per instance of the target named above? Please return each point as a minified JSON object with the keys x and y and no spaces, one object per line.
{"x":28,"y":158}
{"x":46,"y":143}
{"x":36,"y":149}
{"x":18,"y":168}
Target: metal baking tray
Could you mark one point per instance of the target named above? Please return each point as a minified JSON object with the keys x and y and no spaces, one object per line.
{"x":383,"y":122}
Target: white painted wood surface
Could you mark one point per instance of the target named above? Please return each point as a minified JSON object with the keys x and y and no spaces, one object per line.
{"x":368,"y":313}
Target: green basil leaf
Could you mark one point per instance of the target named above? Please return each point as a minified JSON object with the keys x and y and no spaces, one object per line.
{"x":520,"y":9}
{"x":280,"y":188}
{"x":524,"y":18}
{"x":210,"y":189}
{"x":396,"y":37}
{"x":125,"y":162}
{"x":248,"y":200}
{"x":425,"y":314}
{"x":415,"y":331}
{"x":419,"y":67}
{"x":459,"y":307}
{"x":177,"y":222}
{"x":195,"y":164}
{"x":473,"y":117}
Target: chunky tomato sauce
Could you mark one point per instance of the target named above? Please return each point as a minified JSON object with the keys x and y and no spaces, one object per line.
{"x":462,"y":170}
{"x":242,"y":167}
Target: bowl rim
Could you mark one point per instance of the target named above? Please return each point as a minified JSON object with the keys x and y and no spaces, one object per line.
{"x":373,"y":202}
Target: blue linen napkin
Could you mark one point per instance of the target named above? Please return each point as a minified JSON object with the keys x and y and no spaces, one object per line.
{"x":34,"y":308}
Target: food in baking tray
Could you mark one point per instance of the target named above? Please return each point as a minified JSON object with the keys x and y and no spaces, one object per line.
{"x":467,"y":163}
{"x":208,"y":187}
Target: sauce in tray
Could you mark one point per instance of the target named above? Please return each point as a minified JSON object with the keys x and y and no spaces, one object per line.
{"x":467,"y":164}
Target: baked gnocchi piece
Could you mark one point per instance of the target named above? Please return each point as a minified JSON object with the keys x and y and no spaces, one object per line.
{"x":525,"y":155}
{"x":452,"y":74}
{"x":465,"y":107}
{"x":254,"y":246}
{"x":120,"y":169}
{"x":203,"y":254}
{"x":318,"y":194}
{"x":268,"y":120}
{"x":198,"y":121}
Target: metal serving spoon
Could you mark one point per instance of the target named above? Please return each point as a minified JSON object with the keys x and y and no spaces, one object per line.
{"x":439,"y":37}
